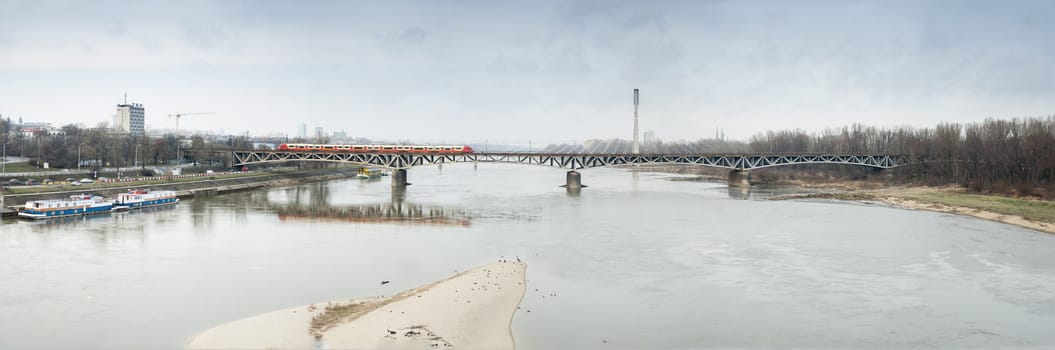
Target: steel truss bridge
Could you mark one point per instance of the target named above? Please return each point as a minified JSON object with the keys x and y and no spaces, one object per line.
{"x":573,"y":161}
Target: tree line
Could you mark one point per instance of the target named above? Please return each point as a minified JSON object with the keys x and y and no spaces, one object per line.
{"x":995,"y":155}
{"x":101,"y":147}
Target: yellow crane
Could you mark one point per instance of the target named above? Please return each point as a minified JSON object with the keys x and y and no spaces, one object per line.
{"x":178,"y":116}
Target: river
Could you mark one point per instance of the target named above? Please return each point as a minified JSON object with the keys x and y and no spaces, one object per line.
{"x":633,"y":261}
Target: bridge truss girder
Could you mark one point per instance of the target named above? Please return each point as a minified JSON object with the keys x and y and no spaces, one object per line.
{"x":570,"y":161}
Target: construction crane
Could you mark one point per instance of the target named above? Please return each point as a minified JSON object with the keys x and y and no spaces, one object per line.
{"x":180,"y":115}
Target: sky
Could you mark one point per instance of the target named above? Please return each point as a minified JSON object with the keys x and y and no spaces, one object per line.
{"x":540,"y":71}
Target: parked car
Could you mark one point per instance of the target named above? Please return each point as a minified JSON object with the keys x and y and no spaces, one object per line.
{"x":75,"y":183}
{"x":15,"y":182}
{"x":87,"y":181}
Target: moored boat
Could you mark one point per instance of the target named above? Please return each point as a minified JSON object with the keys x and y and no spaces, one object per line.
{"x":81,"y":204}
{"x":368,"y":173}
{"x":144,"y":198}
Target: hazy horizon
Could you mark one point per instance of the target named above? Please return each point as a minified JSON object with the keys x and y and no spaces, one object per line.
{"x":549,"y":72}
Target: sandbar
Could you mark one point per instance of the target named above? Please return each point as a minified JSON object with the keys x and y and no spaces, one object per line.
{"x":470,"y":310}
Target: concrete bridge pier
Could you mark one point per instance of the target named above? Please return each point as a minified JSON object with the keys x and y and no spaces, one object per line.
{"x":740,"y":178}
{"x":573,"y":181}
{"x":399,"y":178}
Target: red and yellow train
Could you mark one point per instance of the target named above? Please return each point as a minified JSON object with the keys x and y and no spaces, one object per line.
{"x":309,"y":147}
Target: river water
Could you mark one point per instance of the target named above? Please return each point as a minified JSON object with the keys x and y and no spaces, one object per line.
{"x":633,"y":261}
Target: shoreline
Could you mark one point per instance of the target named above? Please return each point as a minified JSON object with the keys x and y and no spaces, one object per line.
{"x":915,"y":198}
{"x":1034,"y":214}
{"x":469,"y":310}
{"x":203,"y":187}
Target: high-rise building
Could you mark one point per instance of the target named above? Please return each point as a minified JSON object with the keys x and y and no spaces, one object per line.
{"x":650,"y":137}
{"x":130,"y":119}
{"x":302,"y":130}
{"x":320,"y":132}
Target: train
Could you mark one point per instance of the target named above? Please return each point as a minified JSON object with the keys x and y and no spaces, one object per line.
{"x":310,"y":147}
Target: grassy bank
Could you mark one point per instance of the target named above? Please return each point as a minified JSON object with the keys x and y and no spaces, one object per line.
{"x":24,"y":167}
{"x":1029,"y":209}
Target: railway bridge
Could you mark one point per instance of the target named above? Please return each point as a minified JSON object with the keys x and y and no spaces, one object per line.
{"x":739,"y":165}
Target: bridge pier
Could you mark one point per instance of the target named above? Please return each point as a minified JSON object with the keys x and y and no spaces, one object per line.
{"x":573,"y":181}
{"x":739,"y":178}
{"x":399,"y":178}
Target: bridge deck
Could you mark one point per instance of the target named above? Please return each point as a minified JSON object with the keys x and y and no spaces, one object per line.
{"x":573,"y":161}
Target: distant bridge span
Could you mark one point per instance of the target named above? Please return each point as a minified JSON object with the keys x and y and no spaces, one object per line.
{"x":573,"y":161}
{"x":739,"y":164}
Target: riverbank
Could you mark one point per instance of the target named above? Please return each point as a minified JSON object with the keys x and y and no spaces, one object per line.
{"x":470,"y":310}
{"x":193,"y":188}
{"x":1029,"y":213}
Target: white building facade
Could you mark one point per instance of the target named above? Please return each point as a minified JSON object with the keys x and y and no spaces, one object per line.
{"x":130,"y":119}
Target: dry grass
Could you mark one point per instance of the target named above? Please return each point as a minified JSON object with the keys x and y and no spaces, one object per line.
{"x":1029,"y":209}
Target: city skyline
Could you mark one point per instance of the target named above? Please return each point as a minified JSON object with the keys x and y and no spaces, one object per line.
{"x":550,"y":71}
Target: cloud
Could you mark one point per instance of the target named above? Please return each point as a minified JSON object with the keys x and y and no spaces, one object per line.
{"x":569,"y":62}
{"x":203,"y":35}
{"x":412,"y":36}
{"x":512,"y":65}
{"x":115,"y":28}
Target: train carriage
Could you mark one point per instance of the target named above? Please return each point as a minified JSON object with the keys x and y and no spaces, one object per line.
{"x":308,"y":147}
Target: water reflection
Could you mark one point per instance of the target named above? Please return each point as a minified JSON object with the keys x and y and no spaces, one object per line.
{"x":738,"y":192}
{"x":59,"y":223}
{"x":377,"y":213}
{"x":312,"y":202}
{"x":64,"y":223}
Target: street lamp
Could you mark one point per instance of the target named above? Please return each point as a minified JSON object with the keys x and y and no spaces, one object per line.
{"x":135,"y":162}
{"x":79,"y":155}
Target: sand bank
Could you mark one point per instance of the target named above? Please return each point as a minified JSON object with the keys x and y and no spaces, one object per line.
{"x":915,"y":198}
{"x":471,"y":310}
{"x":978,"y":213}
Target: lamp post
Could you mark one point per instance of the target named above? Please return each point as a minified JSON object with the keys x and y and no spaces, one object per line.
{"x":135,"y":162}
{"x":79,"y":155}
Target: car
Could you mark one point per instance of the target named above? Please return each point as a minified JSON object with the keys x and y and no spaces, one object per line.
{"x":87,"y":181}
{"x":75,"y":183}
{"x":15,"y":182}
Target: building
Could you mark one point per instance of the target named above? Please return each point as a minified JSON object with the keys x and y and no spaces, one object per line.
{"x":34,"y":129}
{"x":130,"y":119}
{"x":320,"y":132}
{"x":340,"y":136}
{"x":302,"y":130}
{"x":650,"y":137}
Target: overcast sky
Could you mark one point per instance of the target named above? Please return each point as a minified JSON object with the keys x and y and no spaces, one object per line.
{"x":545,"y":71}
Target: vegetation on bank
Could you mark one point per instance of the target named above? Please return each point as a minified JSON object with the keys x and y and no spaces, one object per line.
{"x":22,"y":167}
{"x":1008,"y":157}
{"x":1029,"y":209}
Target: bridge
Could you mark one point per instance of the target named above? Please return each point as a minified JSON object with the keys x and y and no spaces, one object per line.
{"x":739,"y":164}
